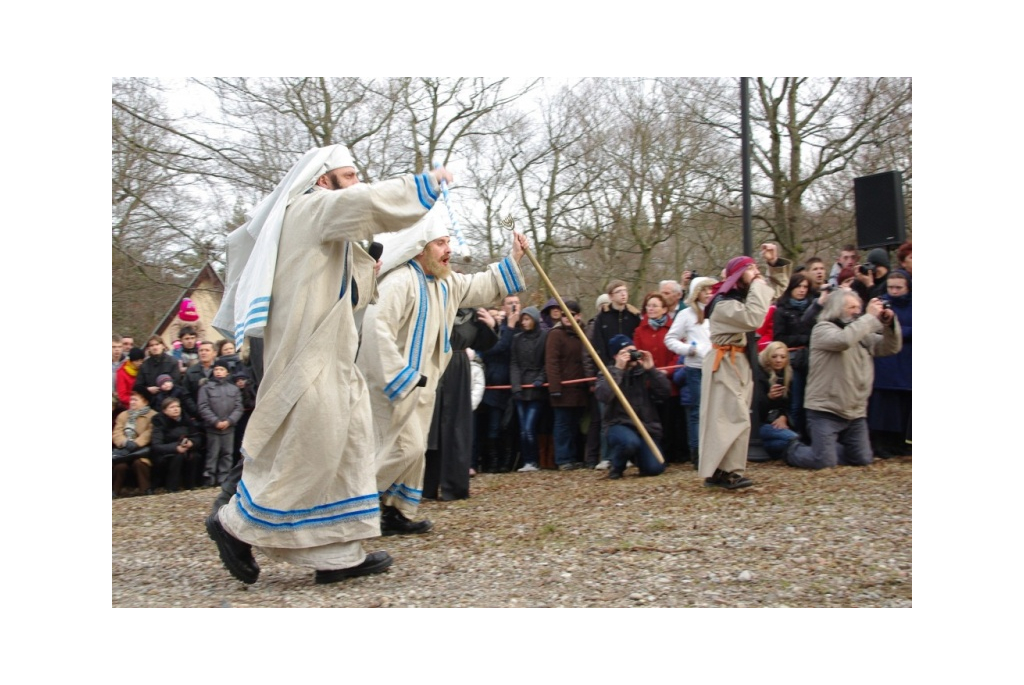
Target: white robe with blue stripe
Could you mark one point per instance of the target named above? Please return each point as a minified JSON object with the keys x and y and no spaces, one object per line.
{"x":406,"y":336}
{"x":309,"y":476}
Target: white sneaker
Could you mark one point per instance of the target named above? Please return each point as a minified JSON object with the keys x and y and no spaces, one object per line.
{"x":603,"y":465}
{"x":528,"y":468}
{"x":629,"y":464}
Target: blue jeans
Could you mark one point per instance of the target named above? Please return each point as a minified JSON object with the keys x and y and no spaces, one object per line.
{"x":529,"y":415}
{"x":566,"y":428}
{"x":693,"y":381}
{"x":625,"y":444}
{"x":776,"y":440}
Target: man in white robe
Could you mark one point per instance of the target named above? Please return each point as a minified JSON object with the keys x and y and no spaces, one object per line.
{"x":406,"y":348}
{"x":308,"y":491}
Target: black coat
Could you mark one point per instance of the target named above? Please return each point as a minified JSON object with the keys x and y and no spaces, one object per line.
{"x":527,"y":365}
{"x":609,"y":323}
{"x":167,"y":433}
{"x":497,"y":362}
{"x":792,"y":326}
{"x":642,"y":390}
{"x":156,"y":366}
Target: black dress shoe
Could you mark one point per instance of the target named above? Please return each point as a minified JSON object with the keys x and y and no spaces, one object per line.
{"x":375,"y":562}
{"x":393,"y":522}
{"x":236,"y":555}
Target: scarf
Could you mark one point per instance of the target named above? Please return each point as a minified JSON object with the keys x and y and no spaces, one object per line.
{"x":799,"y":305}
{"x":130,"y":369}
{"x":655,"y":324}
{"x":252,"y":248}
{"x":130,"y":432}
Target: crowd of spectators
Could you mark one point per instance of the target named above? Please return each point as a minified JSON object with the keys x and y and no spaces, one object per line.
{"x":179,"y":415}
{"x":833,"y":384}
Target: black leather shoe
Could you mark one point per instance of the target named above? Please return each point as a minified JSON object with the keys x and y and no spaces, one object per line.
{"x":613,"y":474}
{"x":236,"y":555}
{"x":393,"y":522}
{"x":729,"y":481}
{"x":375,"y":562}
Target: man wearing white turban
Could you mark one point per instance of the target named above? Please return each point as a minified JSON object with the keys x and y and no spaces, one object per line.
{"x":406,"y":348}
{"x":296,"y":278}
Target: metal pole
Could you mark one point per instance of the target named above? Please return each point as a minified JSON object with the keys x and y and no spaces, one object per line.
{"x":754,"y":447}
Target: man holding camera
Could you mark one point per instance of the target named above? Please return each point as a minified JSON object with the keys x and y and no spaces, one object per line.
{"x":642,"y":384}
{"x":840,"y":378}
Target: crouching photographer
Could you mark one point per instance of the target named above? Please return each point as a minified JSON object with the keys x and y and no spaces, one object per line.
{"x":642,"y":384}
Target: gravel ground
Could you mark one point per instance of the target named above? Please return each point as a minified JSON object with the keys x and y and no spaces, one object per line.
{"x":835,"y":538}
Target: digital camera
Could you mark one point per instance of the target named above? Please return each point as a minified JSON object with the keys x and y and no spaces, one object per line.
{"x":635,"y":355}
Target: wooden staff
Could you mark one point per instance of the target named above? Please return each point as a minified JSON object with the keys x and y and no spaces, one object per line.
{"x":510,"y":223}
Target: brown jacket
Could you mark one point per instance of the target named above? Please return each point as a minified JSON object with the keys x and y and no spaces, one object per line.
{"x":143,"y":424}
{"x":563,"y":359}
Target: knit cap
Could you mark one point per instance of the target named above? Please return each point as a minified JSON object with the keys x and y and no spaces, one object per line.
{"x":616,"y":344}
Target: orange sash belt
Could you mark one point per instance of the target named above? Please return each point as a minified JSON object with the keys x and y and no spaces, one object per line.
{"x":721,"y":350}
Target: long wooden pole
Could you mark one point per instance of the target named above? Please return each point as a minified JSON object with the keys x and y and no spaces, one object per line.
{"x":510,"y":223}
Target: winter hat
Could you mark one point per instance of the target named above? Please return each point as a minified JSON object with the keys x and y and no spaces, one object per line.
{"x":135,"y":354}
{"x":698,"y":284}
{"x":221,"y":364}
{"x":733,"y":272}
{"x":906,"y":277}
{"x":573,"y":306}
{"x":616,"y":344}
{"x":532,"y":313}
{"x":239,"y":374}
{"x":879,"y":257}
{"x":550,"y":303}
{"x":163,"y":378}
{"x":188,"y":311}
{"x":601,"y":301}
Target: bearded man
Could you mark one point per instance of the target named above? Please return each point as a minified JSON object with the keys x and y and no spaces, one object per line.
{"x":840,"y":378}
{"x":406,"y":347}
{"x":307,"y":494}
{"x":737,"y":308}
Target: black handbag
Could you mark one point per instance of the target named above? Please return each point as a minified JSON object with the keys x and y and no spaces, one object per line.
{"x":798,"y":359}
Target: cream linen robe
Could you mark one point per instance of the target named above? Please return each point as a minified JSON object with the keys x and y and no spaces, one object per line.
{"x":308,"y":490}
{"x":406,"y":335}
{"x":725,"y":394}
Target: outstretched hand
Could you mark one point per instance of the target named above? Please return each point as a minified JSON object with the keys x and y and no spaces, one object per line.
{"x":770,"y":253}
{"x":519,"y":245}
{"x":442,"y":174}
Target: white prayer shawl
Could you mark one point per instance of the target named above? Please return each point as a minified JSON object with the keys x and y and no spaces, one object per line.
{"x":252,"y":248}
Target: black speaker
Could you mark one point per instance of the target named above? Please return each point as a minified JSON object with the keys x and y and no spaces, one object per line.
{"x":880,"y":214}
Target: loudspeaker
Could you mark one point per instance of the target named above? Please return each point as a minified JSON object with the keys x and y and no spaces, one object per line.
{"x":878,"y":199}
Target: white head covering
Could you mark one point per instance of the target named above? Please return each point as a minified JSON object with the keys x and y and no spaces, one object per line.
{"x":252,"y":247}
{"x":696,"y":285}
{"x":402,"y":246}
